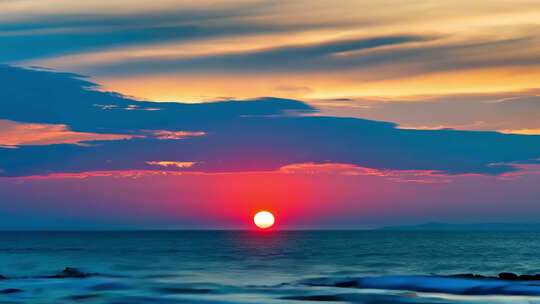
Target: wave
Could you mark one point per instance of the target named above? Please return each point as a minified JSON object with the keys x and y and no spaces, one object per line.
{"x":438,"y":284}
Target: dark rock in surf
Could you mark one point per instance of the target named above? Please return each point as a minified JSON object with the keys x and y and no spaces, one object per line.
{"x":346,"y":284}
{"x":508,"y":276}
{"x":530,"y":277}
{"x":82,"y":297}
{"x":73,"y":273}
{"x":70,"y":272}
{"x":10,"y":290}
{"x":2,"y":277}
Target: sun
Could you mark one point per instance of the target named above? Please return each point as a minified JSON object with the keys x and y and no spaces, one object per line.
{"x":264,"y":219}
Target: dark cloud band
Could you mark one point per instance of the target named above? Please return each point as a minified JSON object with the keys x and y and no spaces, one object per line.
{"x":263,"y":134}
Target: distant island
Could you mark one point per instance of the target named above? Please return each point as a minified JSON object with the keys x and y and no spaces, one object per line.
{"x":436,"y":226}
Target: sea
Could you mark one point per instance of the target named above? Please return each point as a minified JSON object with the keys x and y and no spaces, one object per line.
{"x":117,"y":267}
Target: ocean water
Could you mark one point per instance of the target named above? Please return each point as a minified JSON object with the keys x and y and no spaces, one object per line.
{"x":267,"y":267}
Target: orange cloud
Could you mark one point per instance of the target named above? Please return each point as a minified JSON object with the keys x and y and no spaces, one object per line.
{"x":13,"y":134}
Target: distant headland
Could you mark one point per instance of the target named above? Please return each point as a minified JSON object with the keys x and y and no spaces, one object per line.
{"x":437,"y":226}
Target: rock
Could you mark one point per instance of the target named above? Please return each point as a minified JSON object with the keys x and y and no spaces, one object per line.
{"x":83,"y":297}
{"x":508,"y":276}
{"x":346,"y":284}
{"x":2,"y":277}
{"x":530,"y":277}
{"x":73,"y":273}
{"x":10,"y":290}
{"x":70,"y":272}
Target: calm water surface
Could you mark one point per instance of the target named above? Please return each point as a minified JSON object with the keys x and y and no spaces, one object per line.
{"x":257,"y":267}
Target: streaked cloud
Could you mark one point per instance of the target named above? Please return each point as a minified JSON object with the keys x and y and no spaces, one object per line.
{"x":178,"y":51}
{"x":515,"y":112}
{"x":417,"y":176}
{"x":300,"y":169}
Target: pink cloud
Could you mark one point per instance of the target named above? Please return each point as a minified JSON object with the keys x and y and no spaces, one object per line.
{"x":293,"y":169}
{"x":86,"y":174}
{"x":300,"y":169}
{"x":419,"y":176}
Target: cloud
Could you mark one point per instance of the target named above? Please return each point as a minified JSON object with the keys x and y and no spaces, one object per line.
{"x":417,"y":176}
{"x":174,"y":168}
{"x":321,"y":56}
{"x":240,"y":136}
{"x":522,"y":131}
{"x":172,"y":164}
{"x":174,"y":49}
{"x":102,"y":26}
{"x":398,"y":65}
{"x":366,"y":59}
{"x":62,"y":98}
{"x":164,"y":134}
{"x":508,"y":112}
{"x":13,"y":134}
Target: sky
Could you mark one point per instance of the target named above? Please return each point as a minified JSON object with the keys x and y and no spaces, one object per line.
{"x":171,"y":114}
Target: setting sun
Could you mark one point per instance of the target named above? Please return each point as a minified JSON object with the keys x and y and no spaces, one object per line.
{"x":264,"y":219}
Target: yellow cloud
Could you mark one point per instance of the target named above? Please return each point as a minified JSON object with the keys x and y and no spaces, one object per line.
{"x":171,"y":164}
{"x":164,"y":134}
{"x":521,"y":131}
